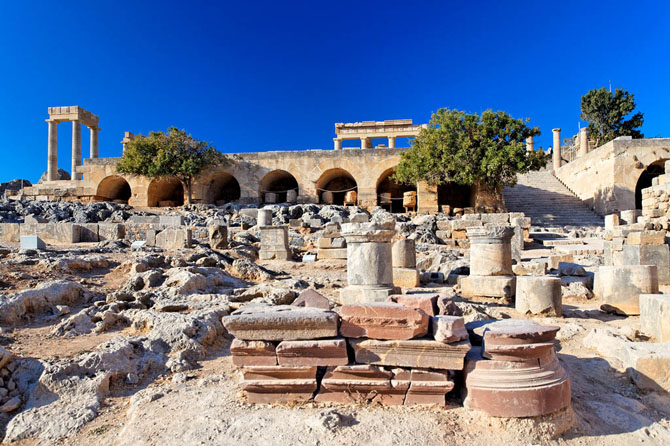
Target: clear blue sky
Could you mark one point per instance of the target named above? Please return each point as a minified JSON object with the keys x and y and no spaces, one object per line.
{"x":269,"y":75}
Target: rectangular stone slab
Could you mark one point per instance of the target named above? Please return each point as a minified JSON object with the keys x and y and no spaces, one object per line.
{"x":275,"y":384}
{"x":249,"y":353}
{"x":420,"y":353}
{"x":281,"y":323}
{"x":323,"y":352}
{"x":487,"y":286}
{"x":383,"y":320}
{"x":361,"y":383}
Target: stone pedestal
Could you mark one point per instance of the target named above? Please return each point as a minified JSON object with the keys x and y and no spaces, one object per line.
{"x":369,"y":262}
{"x":490,"y":263}
{"x":619,"y":287}
{"x":274,"y":243}
{"x":264,"y":217}
{"x":539,"y":295}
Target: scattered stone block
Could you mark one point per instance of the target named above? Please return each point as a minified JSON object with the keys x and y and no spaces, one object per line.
{"x":309,"y":258}
{"x":427,"y":302}
{"x":530,"y":269}
{"x":253,"y":353}
{"x":32,"y":242}
{"x":174,"y":238}
{"x":323,"y":352}
{"x":361,"y":383}
{"x":171,"y":220}
{"x":555,"y":259}
{"x":646,"y":238}
{"x":449,"y":329}
{"x":539,"y":295}
{"x":382,"y":320}
{"x":611,"y":221}
{"x":648,"y":365}
{"x":658,"y":255}
{"x":281,"y":322}
{"x":137,"y":245}
{"x":619,"y":287}
{"x":517,"y":340}
{"x":264,"y":217}
{"x":487,"y":286}
{"x":332,"y":253}
{"x":313,"y":299}
{"x":406,"y":277}
{"x":10,"y":232}
{"x":419,"y":353}
{"x":111,"y":231}
{"x":274,"y":243}
{"x":89,"y":233}
{"x":628,"y":217}
{"x":655,"y":316}
{"x":275,"y":384}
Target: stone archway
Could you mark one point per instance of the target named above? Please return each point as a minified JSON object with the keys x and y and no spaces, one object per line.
{"x":644,"y":181}
{"x":386,"y":185}
{"x":164,"y":192}
{"x":278,"y":182}
{"x":114,"y":188}
{"x":221,"y":189}
{"x":333,"y":184}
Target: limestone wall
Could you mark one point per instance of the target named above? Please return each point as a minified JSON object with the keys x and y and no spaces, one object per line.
{"x":606,"y":177}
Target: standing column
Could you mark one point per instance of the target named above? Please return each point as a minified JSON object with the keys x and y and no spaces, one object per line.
{"x":529,"y":144}
{"x":491,"y":272}
{"x":391,"y":142}
{"x":52,"y":166}
{"x":94,"y":142}
{"x":557,"y":148}
{"x":76,"y":149}
{"x":364,"y":143}
{"x":583,"y":141}
{"x":337,"y":143}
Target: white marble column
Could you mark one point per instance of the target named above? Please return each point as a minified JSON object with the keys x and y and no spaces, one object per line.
{"x":76,"y":149}
{"x":94,"y":142}
{"x":556,"y":156}
{"x":391,"y":142}
{"x":52,"y":166}
{"x":529,"y":144}
{"x":583,"y":141}
{"x":337,"y":143}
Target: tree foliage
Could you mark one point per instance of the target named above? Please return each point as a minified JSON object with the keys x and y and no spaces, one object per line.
{"x":606,"y":112}
{"x":171,"y":154}
{"x":469,"y":149}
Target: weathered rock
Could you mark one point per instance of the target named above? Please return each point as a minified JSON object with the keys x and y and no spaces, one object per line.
{"x":281,"y":323}
{"x":421,"y":353}
{"x":313,"y":299}
{"x":40,"y":300}
{"x":427,"y":302}
{"x":449,"y":329}
{"x":383,"y":320}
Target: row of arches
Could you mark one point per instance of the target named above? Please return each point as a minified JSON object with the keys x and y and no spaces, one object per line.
{"x":331,"y":188}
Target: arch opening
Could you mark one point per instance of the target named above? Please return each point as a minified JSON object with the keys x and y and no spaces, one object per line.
{"x":222,"y":188}
{"x":165,"y":192}
{"x":452,"y":195}
{"x":114,"y":188}
{"x":333,"y":185}
{"x":390,"y":193}
{"x":652,"y":171}
{"x":280,"y":183}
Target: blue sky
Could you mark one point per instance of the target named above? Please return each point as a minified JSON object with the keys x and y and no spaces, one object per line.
{"x":267,"y":75}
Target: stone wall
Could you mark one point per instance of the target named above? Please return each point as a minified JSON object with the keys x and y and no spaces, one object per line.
{"x":606,"y":177}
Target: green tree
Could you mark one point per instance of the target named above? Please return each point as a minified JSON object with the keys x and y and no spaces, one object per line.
{"x":606,"y":112}
{"x":484,"y":151}
{"x":173,"y":153}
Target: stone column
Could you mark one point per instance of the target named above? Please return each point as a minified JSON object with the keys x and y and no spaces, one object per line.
{"x":94,"y":142}
{"x":264,"y":217}
{"x":337,"y":143}
{"x":52,"y":165}
{"x":583,"y":141}
{"x":529,"y":144}
{"x":391,"y":142}
{"x":369,"y":262}
{"x":405,"y":273}
{"x":556,"y":156}
{"x":490,"y":263}
{"x":365,"y":143}
{"x":76,"y":149}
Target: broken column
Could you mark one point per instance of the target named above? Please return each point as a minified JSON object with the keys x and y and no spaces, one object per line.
{"x":369,"y":261}
{"x":274,"y":243}
{"x":331,"y":244}
{"x":403,"y":253}
{"x":490,"y":263}
{"x":539,"y":295}
{"x":619,"y":287}
{"x":516,"y":372}
{"x":264,"y":217}
{"x":583,"y":141}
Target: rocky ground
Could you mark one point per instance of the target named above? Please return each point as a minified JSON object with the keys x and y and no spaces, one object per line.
{"x":113,"y":346}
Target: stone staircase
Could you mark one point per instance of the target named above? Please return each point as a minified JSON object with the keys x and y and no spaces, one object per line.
{"x":543,"y":198}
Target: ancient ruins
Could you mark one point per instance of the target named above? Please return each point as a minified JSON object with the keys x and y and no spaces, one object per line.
{"x":307,"y":298}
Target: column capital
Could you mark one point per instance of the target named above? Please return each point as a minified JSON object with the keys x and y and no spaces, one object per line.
{"x":556,"y":130}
